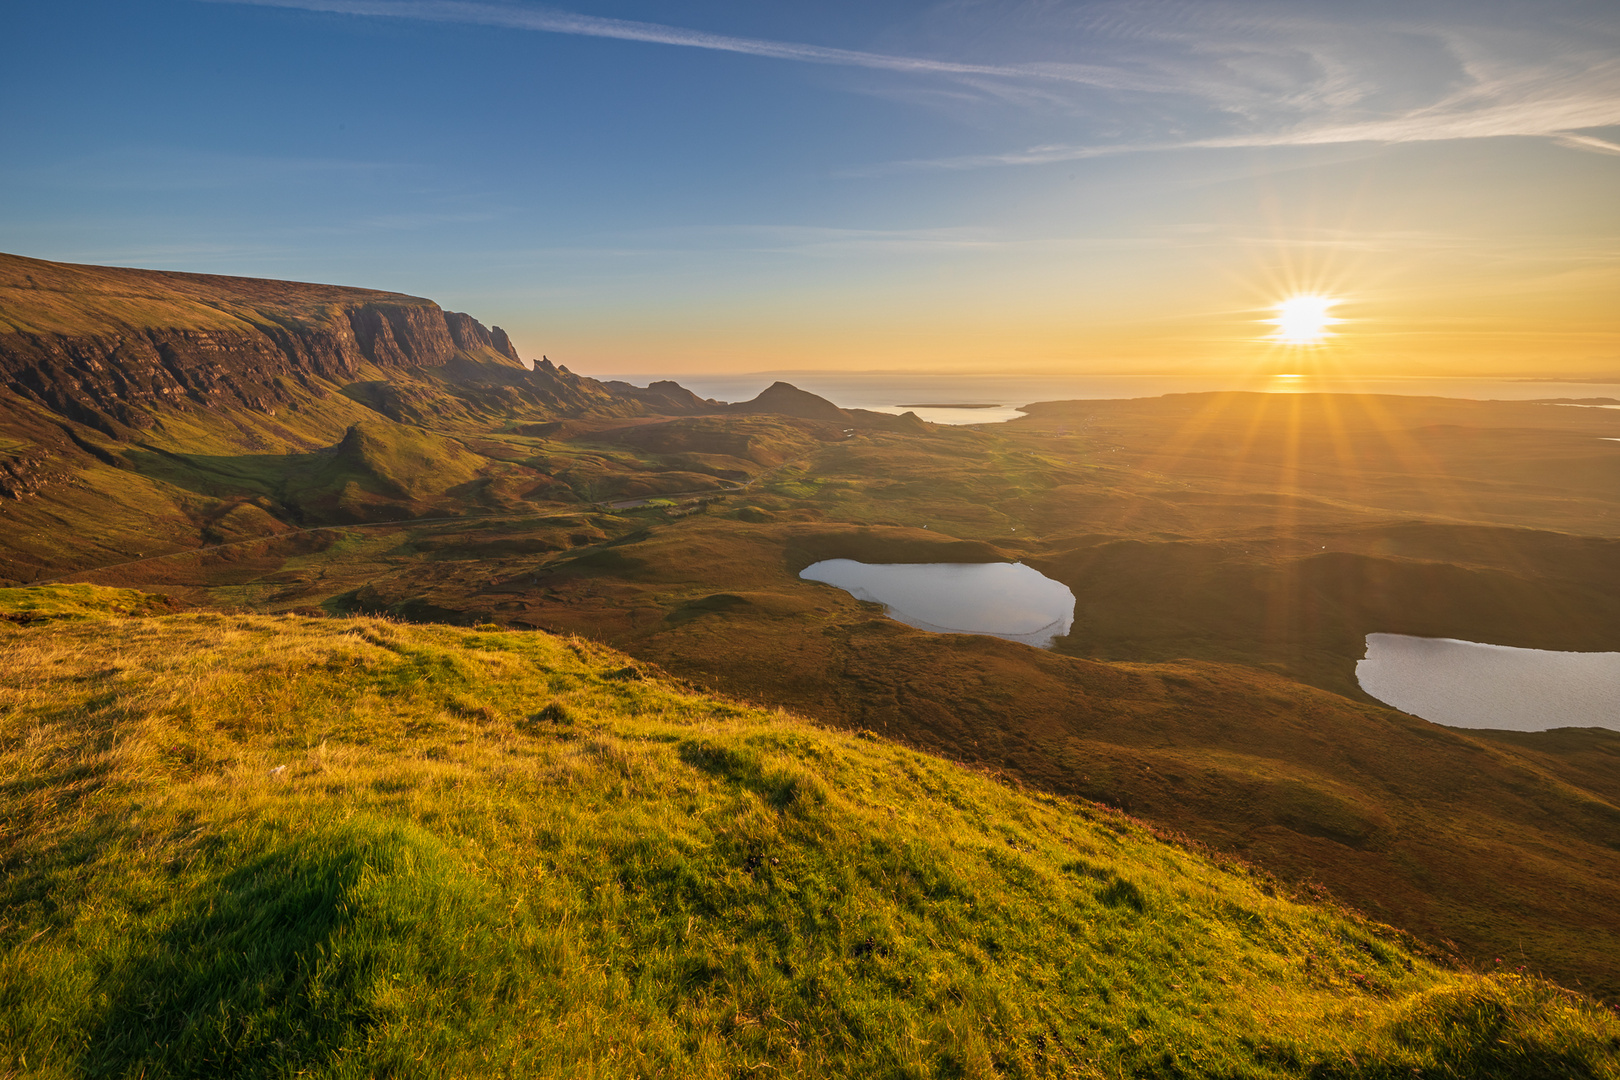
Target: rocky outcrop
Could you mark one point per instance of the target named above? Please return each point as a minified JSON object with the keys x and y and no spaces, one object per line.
{"x":513,"y":390}
{"x":470,"y":336}
{"x":26,"y":474}
{"x":404,"y":335}
{"x":501,"y":343}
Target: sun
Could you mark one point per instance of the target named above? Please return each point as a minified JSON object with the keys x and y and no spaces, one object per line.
{"x":1304,"y":320}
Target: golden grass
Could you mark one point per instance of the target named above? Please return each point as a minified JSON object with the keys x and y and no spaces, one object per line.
{"x":267,"y":846}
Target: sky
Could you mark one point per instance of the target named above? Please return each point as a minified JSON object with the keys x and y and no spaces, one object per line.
{"x":1041,"y":186}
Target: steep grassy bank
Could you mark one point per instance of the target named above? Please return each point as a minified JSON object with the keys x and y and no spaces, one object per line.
{"x":256,"y":845}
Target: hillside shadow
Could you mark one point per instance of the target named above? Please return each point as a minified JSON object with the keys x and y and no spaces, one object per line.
{"x":236,"y":986}
{"x":293,"y":959}
{"x":227,"y":475}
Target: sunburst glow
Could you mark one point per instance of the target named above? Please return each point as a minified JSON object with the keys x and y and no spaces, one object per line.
{"x":1304,"y":320}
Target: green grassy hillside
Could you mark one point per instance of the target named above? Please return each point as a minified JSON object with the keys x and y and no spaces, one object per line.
{"x":275,"y":846}
{"x":40,"y":297}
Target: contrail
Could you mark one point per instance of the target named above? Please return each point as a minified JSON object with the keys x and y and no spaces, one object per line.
{"x":563,"y":22}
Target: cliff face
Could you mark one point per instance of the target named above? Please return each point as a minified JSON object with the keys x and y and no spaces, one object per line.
{"x":103,"y":346}
{"x":110,"y":381}
{"x":469,"y":335}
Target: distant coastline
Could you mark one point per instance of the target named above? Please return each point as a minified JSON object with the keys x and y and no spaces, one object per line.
{"x":986,"y":398}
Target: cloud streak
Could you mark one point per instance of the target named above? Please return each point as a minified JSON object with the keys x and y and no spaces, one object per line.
{"x":550,"y":21}
{"x":1527,"y":103}
{"x":1587,"y":142}
{"x":1226,"y":75}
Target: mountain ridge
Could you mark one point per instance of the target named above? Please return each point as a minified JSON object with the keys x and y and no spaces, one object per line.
{"x":144,"y":405}
{"x":96,"y":344}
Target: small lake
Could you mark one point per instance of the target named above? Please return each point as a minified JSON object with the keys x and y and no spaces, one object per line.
{"x":1469,"y":685}
{"x":1005,"y":600}
{"x":955,"y":415}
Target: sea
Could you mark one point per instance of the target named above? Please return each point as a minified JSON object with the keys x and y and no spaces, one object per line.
{"x":922,"y":393}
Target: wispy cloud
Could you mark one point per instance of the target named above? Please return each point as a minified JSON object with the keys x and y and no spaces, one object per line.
{"x":1187,"y":74}
{"x":1588,"y":142}
{"x":562,"y":22}
{"x":1527,"y":121}
{"x":1317,"y":84}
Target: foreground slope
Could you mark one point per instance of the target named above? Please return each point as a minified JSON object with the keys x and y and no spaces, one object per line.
{"x":255,"y":845}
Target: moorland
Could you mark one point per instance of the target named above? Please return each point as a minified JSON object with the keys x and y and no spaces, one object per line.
{"x":290,"y":463}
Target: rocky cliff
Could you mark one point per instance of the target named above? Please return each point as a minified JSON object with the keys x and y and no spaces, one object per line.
{"x":104,"y":346}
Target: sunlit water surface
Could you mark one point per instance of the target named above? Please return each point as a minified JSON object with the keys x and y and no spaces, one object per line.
{"x":1470,"y":685}
{"x":995,"y":414}
{"x":1005,"y":600}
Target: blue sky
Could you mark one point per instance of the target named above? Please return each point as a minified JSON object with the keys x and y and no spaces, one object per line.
{"x":724,"y":186}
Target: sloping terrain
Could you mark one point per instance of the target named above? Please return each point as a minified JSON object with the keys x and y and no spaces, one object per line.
{"x":1236,"y":593}
{"x":257,"y":846}
{"x":145,"y":411}
{"x":1452,"y":835}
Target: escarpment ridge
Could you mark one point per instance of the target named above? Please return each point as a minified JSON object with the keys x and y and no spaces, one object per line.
{"x":96,"y":344}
